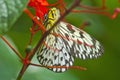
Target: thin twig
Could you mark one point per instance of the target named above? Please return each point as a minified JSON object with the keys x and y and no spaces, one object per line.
{"x":11,"y":47}
{"x":103,"y":7}
{"x":70,"y":67}
{"x":112,"y":16}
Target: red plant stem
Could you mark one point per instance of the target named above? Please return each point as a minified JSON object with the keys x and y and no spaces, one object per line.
{"x":32,"y":53}
{"x":35,"y":20}
{"x":103,"y":4}
{"x":26,"y":63}
{"x":16,"y":52}
{"x":119,"y":1}
{"x":70,"y":67}
{"x":57,"y":3}
{"x":94,"y":8}
{"x":112,"y":16}
{"x":23,"y":69}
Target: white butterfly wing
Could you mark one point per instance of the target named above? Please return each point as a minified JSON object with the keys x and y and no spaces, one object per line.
{"x":66,"y":42}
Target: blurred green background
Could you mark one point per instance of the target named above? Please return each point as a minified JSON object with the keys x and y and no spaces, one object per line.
{"x":104,"y":29}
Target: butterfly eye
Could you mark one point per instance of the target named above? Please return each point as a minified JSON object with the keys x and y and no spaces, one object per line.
{"x":45,"y":17}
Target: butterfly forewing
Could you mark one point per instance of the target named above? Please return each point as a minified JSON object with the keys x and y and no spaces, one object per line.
{"x":81,"y":44}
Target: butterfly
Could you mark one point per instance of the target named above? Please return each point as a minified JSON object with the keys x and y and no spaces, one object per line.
{"x":65,"y":43}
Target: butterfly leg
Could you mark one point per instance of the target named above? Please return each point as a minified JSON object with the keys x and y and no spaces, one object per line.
{"x":84,"y":24}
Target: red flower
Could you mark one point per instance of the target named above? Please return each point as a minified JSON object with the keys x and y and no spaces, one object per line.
{"x":39,"y":6}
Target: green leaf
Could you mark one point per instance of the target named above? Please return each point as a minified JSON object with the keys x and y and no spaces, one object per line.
{"x":10,"y":10}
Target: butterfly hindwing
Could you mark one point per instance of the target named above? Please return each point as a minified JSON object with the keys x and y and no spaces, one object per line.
{"x":54,"y":53}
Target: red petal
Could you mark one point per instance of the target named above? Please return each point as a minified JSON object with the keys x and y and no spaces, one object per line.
{"x":39,"y":6}
{"x":43,"y":2}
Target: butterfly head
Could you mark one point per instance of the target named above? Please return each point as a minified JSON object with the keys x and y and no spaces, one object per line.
{"x":52,"y":16}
